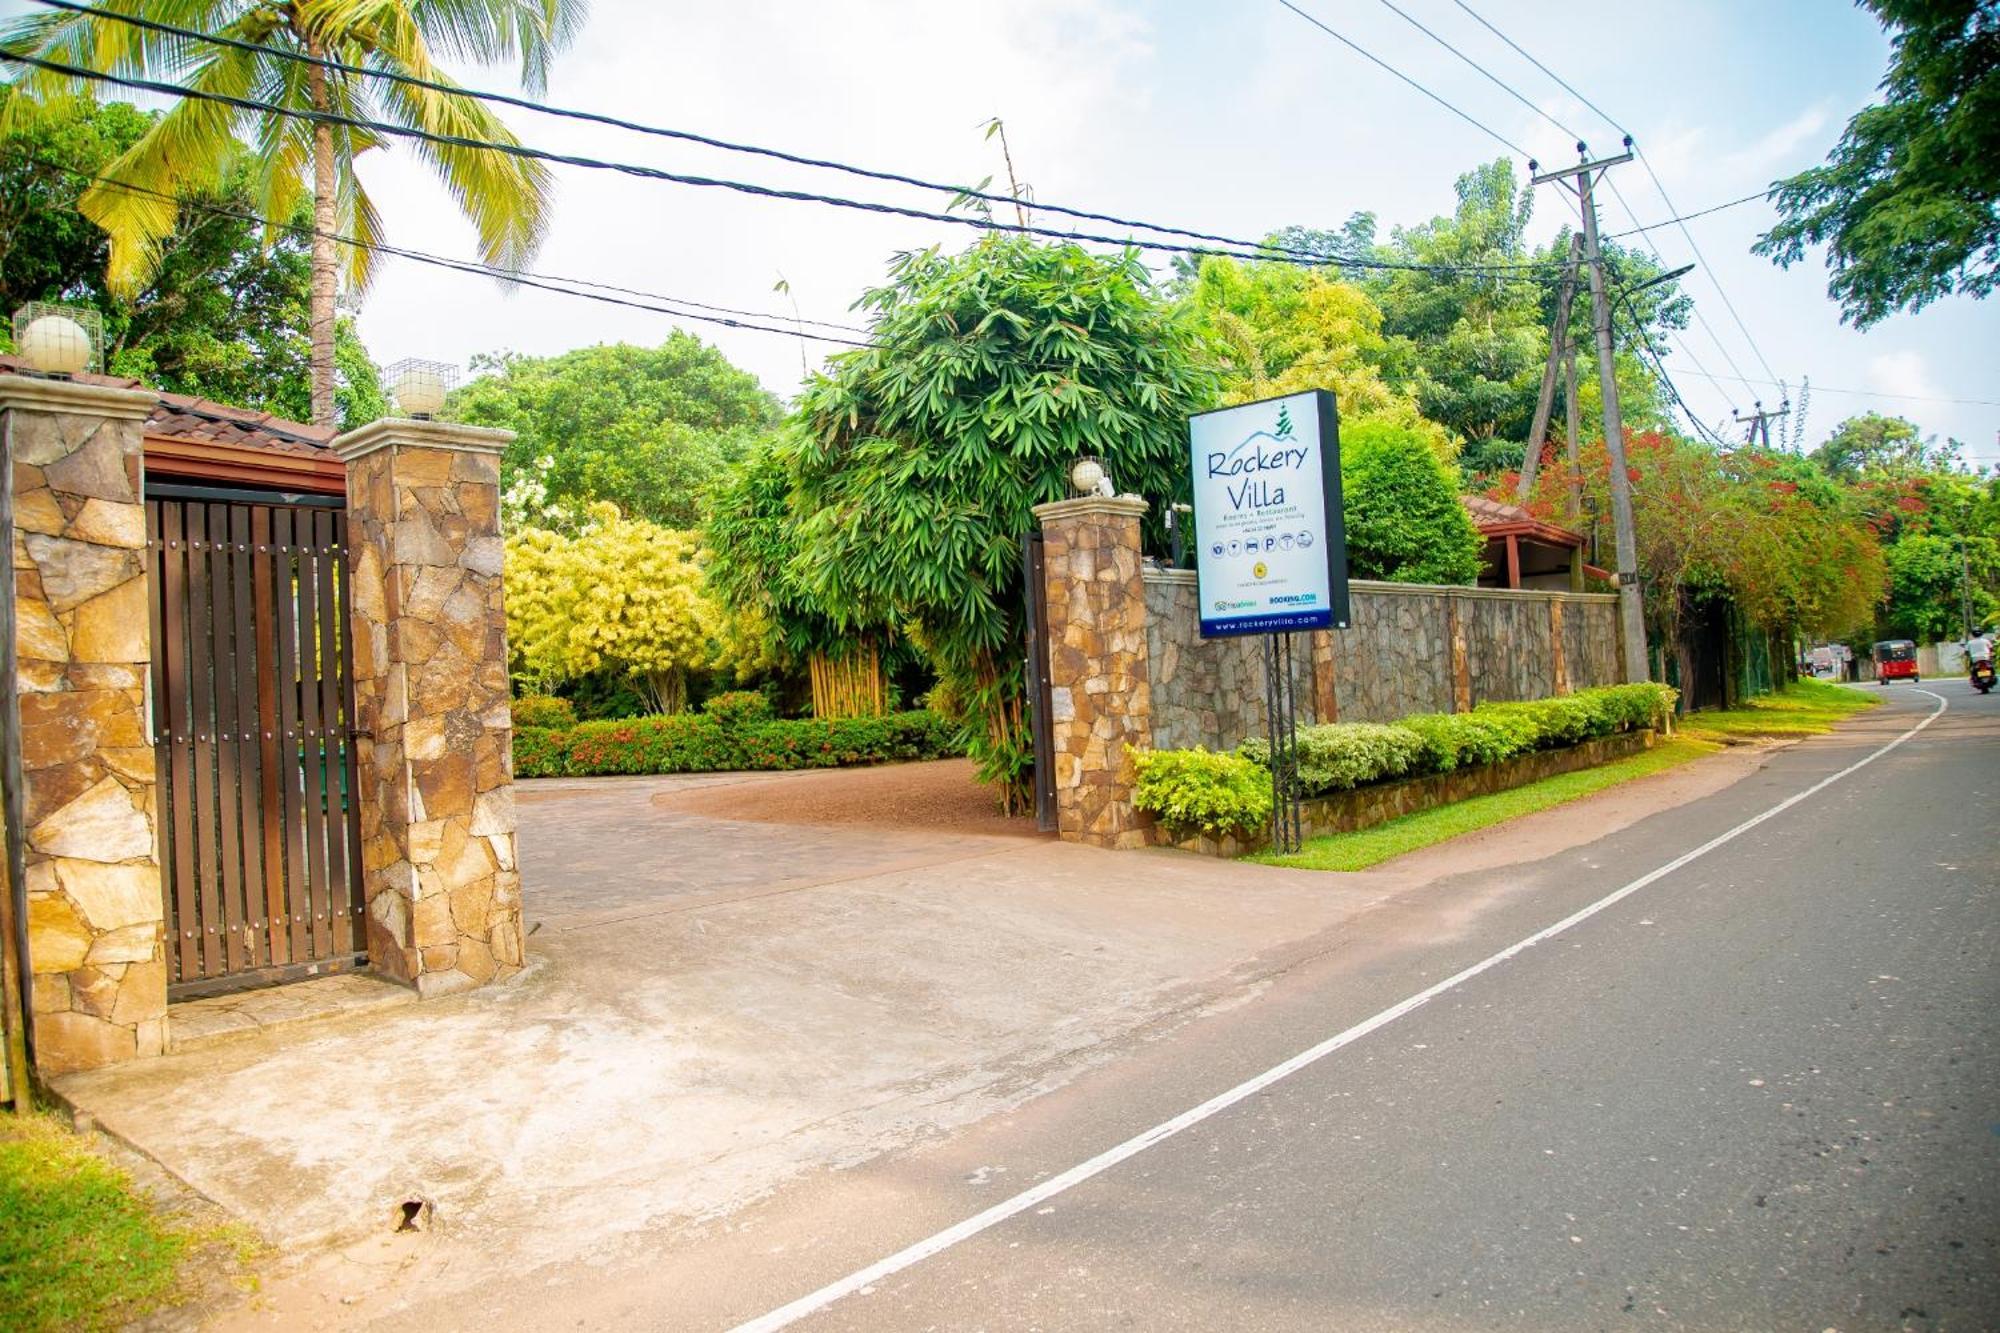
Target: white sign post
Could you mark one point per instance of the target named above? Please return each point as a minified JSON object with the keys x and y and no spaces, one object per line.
{"x":1270,"y":550}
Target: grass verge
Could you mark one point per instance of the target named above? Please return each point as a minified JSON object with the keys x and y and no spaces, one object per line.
{"x":1371,"y":846}
{"x":1807,"y":708}
{"x":79,"y":1247}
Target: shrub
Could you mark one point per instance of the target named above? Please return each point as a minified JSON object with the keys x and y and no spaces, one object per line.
{"x":1338,"y":755}
{"x":539,"y":752}
{"x":1196,"y":791}
{"x":542,"y":710}
{"x":1464,"y":740}
{"x":1401,"y":509}
{"x":698,"y":743}
{"x":733,"y":708}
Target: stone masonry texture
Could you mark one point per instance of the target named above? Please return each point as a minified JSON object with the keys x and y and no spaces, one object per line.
{"x":78,"y":542}
{"x":430,"y":685}
{"x":1395,"y":661}
{"x":1101,"y":701}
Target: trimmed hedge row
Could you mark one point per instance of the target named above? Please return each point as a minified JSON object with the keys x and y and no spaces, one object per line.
{"x":703,"y":743}
{"x":1339,"y":755}
{"x":1194,"y":789}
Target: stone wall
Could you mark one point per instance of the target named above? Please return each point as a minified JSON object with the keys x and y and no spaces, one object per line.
{"x":82,"y":654}
{"x":431,"y":696}
{"x":1396,"y":660}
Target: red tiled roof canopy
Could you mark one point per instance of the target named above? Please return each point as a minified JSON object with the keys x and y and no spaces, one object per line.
{"x":1497,"y":518}
{"x":194,"y":439}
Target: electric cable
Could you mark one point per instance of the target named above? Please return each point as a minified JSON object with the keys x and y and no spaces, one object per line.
{"x":1517,"y":271}
{"x":1263,"y":251}
{"x":1685,"y":217}
{"x":1540,"y":66}
{"x":1493,"y":78}
{"x":652,"y":302}
{"x":1707,"y":268}
{"x":1377,"y":60}
{"x":1701,"y":318}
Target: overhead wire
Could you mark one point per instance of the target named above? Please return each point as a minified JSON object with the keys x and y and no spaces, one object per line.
{"x":1699,"y":317}
{"x":1491,"y":77}
{"x":1639,"y":153}
{"x":1687,"y":217}
{"x":605,"y":293}
{"x":1249,"y":249}
{"x":1366,"y":54}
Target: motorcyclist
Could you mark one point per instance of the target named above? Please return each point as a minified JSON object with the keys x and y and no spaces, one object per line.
{"x":1978,"y":648}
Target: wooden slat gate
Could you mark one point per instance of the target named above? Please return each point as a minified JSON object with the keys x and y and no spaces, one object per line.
{"x":253,"y":708}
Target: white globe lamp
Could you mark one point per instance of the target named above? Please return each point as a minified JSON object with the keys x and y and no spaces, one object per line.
{"x":420,"y":387}
{"x":56,"y":345}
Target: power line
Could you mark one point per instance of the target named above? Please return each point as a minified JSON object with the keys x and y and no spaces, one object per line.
{"x":1714,"y":281}
{"x":1701,"y":318}
{"x":1707,"y":268}
{"x":653,"y":302}
{"x":1493,"y":78}
{"x":1377,"y":60}
{"x":1870,"y":393}
{"x":1686,"y":217}
{"x":1258,"y":249}
{"x":1543,"y":68}
{"x":1659,"y":368}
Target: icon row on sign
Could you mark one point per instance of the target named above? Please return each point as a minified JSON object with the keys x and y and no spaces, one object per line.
{"x":1282,"y":541}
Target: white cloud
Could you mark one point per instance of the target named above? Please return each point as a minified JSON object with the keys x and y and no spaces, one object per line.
{"x":1904,"y":373}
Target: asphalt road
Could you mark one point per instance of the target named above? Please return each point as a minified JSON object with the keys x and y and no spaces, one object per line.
{"x":1760,"y":1092}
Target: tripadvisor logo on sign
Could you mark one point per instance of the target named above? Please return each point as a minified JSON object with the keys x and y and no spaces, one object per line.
{"x":1270,"y":552}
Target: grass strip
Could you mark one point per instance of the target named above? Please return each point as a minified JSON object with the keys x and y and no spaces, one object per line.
{"x":1371,"y":846}
{"x":1807,"y":708}
{"x":78,"y":1248}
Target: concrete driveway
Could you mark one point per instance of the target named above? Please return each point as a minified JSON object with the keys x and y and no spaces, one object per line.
{"x":714,"y":1007}
{"x":711,"y":1007}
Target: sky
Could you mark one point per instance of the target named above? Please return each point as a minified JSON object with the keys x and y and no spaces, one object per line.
{"x":1232,"y":116}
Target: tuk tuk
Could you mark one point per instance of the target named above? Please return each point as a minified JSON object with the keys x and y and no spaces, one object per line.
{"x":1895,"y":659}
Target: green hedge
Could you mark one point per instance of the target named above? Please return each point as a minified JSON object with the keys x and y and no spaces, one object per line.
{"x":1336,"y":756}
{"x":700,"y":743}
{"x":1196,"y":791}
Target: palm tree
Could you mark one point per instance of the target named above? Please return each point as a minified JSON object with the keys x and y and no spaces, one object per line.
{"x":191,"y":146}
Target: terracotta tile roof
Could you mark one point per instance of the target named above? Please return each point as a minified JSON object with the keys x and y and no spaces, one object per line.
{"x":199,"y":421}
{"x":1485,"y":510}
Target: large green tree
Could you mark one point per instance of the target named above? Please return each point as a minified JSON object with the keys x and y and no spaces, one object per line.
{"x":223,"y":314}
{"x":920,"y":458}
{"x":191,"y":147}
{"x":1401,"y":509}
{"x":1872,"y":445}
{"x":1908,"y":203}
{"x":647,"y":428}
{"x":1467,"y":306}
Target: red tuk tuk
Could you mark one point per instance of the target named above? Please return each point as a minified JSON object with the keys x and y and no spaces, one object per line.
{"x":1895,"y":659}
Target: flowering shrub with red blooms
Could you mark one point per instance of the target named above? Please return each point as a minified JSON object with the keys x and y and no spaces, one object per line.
{"x":1791,"y":549}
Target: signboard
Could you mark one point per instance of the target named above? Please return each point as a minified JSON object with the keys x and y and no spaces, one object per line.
{"x":1270,"y":551}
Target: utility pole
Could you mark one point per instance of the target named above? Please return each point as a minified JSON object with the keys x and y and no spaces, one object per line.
{"x":1538,"y":434}
{"x":1759,"y":422}
{"x":1631,"y":609}
{"x":1572,"y":431}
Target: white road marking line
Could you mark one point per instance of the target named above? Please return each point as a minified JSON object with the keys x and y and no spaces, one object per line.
{"x":859,"y":1281}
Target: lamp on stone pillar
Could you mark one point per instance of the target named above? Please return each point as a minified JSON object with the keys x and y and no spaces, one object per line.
{"x":419,"y":386}
{"x":59,"y":341}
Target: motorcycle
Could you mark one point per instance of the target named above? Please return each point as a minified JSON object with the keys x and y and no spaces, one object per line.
{"x":1982,"y":677}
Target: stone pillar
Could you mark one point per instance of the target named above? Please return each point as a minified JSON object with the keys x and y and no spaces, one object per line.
{"x":1558,"y":652}
{"x":83,"y":657}
{"x":1325,"y":677}
{"x":1461,"y":655}
{"x":1101,"y":696}
{"x":430,"y":692}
